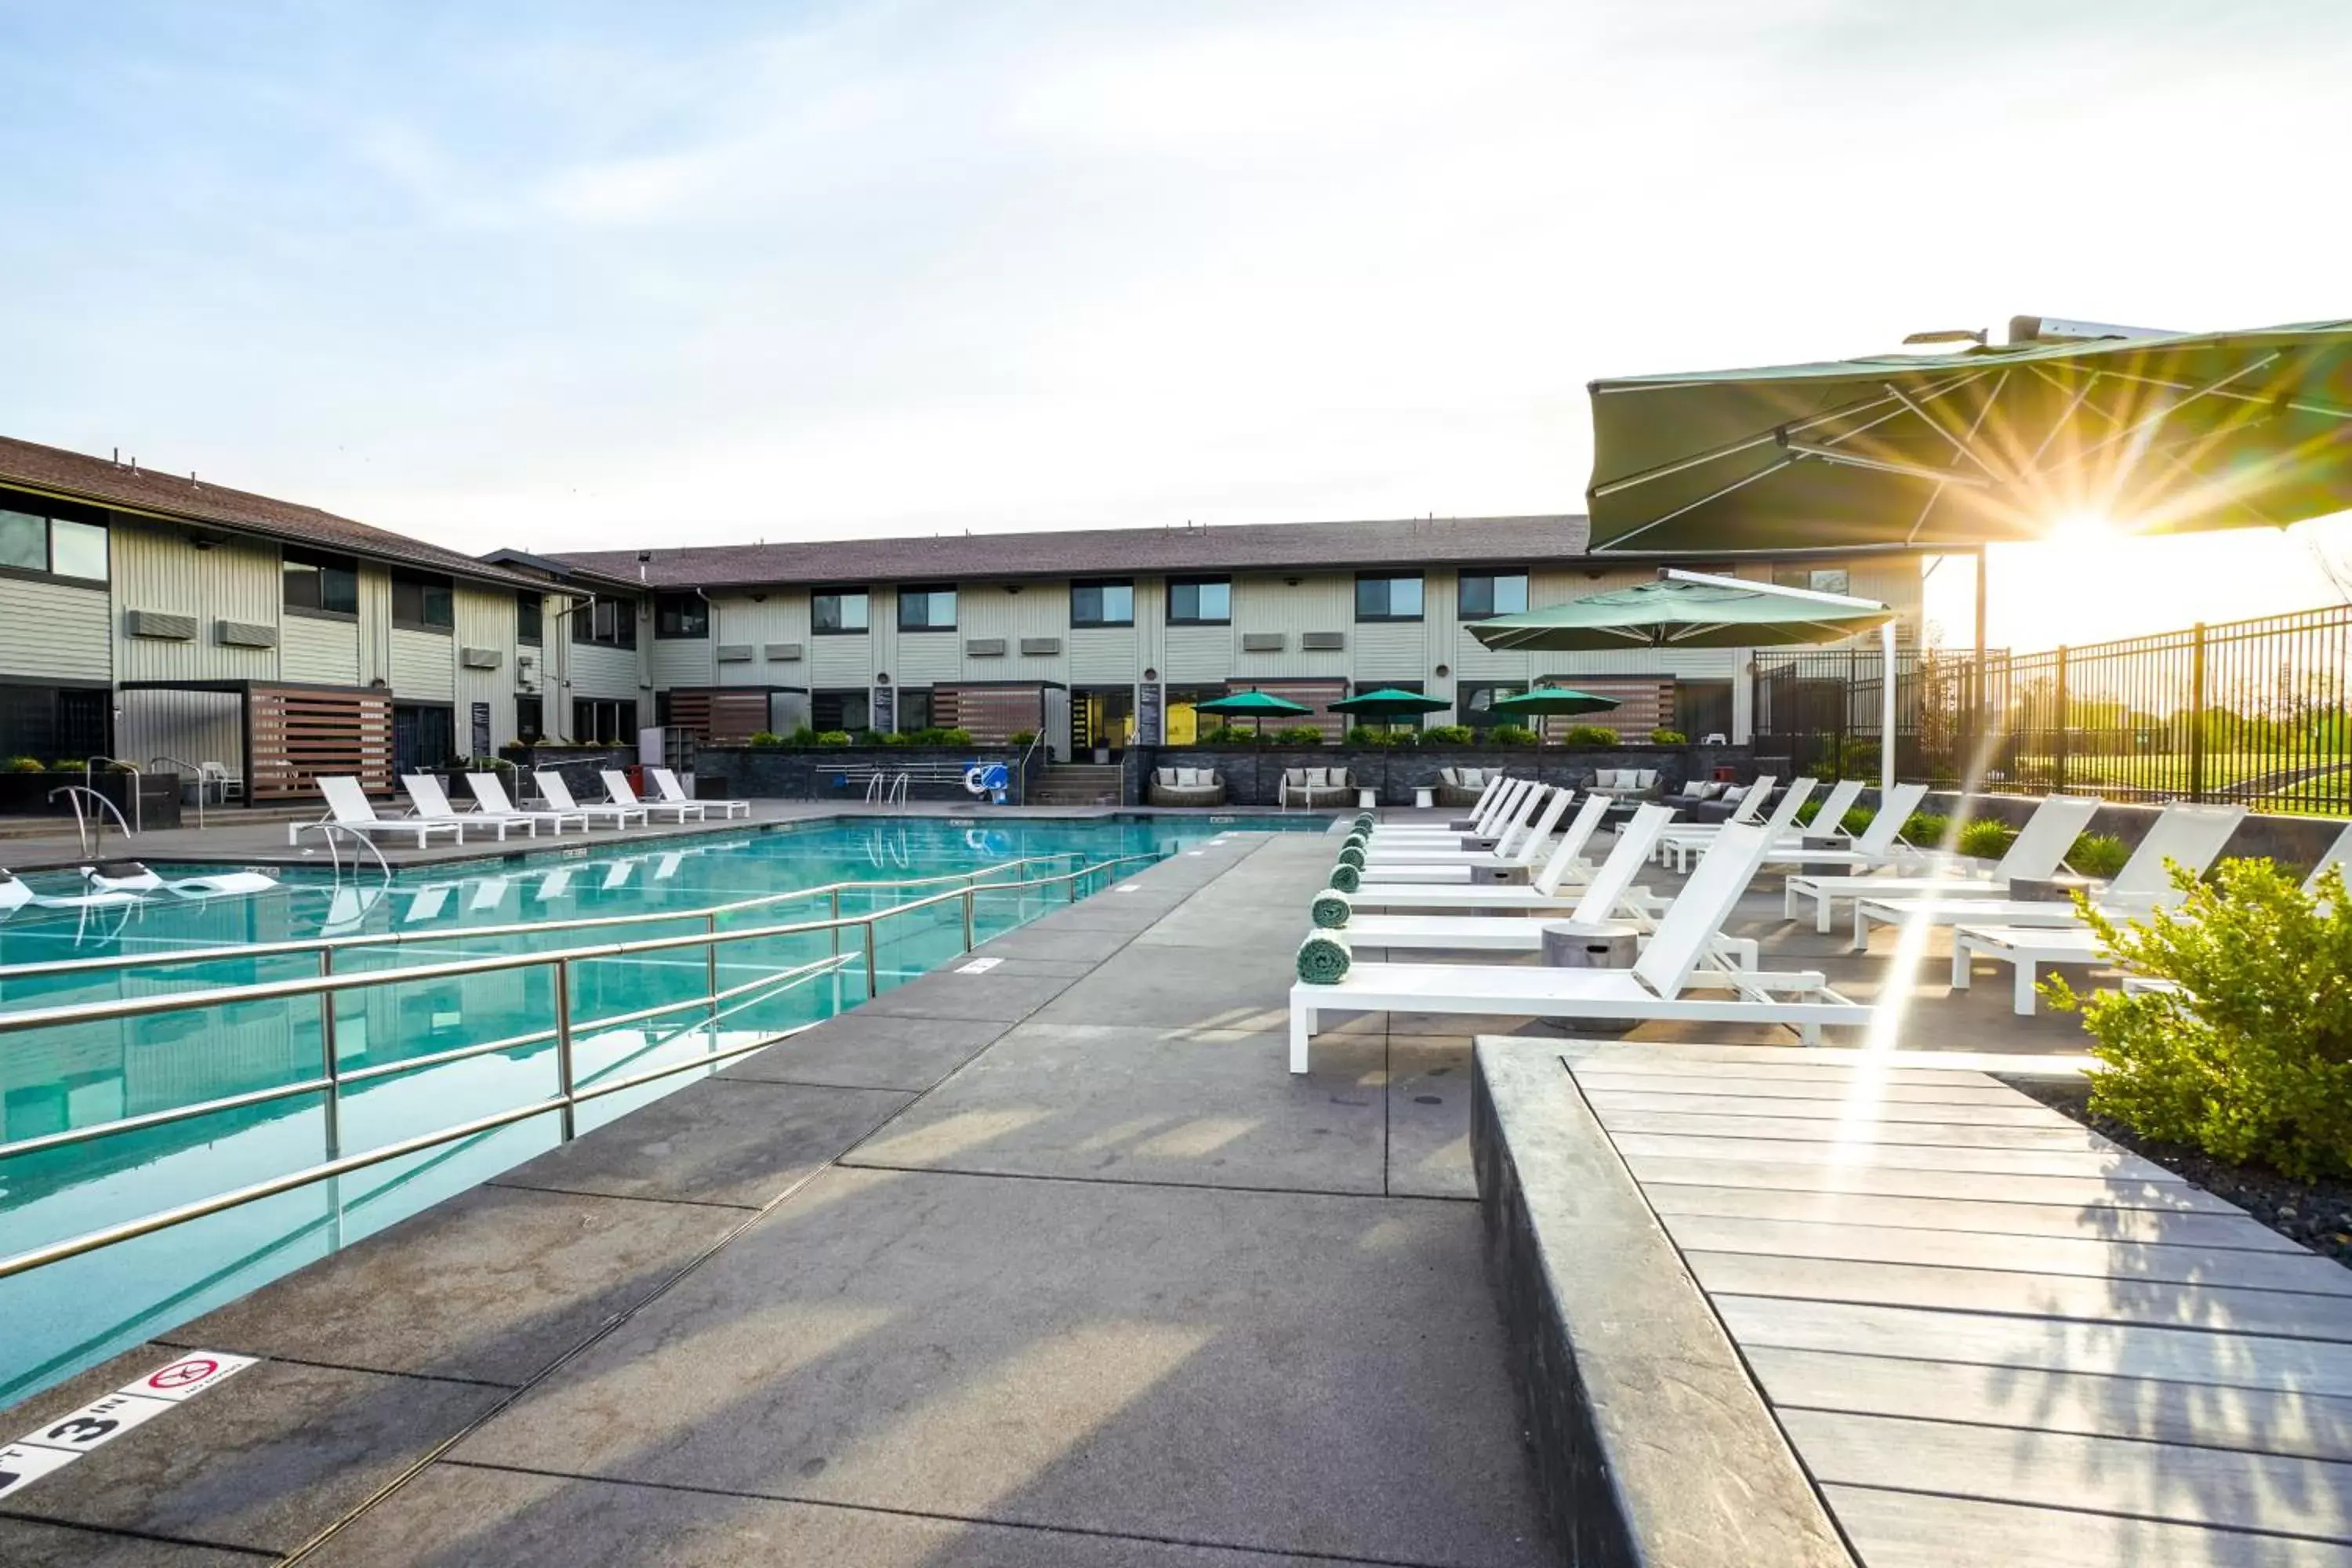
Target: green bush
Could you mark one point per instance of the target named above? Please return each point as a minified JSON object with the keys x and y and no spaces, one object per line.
{"x":1512,"y":735}
{"x":804,"y":736}
{"x":1298,"y":735}
{"x":2098,"y":855}
{"x":1224,"y":735}
{"x":1021,"y":740}
{"x":1987,"y":837}
{"x":1592,"y":735}
{"x":766,"y":740}
{"x":2251,"y":1060}
{"x":1668,"y":738}
{"x":25,"y":765}
{"x":1448,"y":735}
{"x":832,"y":737}
{"x":1365,"y":735}
{"x":895,"y":738}
{"x":1926,"y":829}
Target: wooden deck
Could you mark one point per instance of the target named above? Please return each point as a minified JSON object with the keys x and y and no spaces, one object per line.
{"x":1991,"y":1336}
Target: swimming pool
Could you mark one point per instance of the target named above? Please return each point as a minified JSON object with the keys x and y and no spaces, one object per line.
{"x":411,"y":1050}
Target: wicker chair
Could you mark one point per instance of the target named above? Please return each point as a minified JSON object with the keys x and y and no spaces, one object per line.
{"x":1312,"y":787}
{"x":1461,"y":787}
{"x":1185,"y":786}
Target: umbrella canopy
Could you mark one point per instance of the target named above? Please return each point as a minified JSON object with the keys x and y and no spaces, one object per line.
{"x":1388,"y":702}
{"x":1257,"y":704}
{"x":1545,"y":700}
{"x":2157,"y":433}
{"x":1676,"y":614}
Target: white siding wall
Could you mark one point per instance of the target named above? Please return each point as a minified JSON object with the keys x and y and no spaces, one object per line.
{"x":194,"y":726}
{"x":842,"y":661}
{"x":423,"y":666}
{"x":486,"y":618}
{"x":318,"y":652}
{"x":376,"y":625}
{"x":1323,"y":601}
{"x":679,"y":661}
{"x":156,"y":568}
{"x":51,"y":632}
{"x":782,"y":617}
{"x":595,"y":671}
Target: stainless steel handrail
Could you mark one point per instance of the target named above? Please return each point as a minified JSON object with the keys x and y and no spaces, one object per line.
{"x":93,"y":843}
{"x":195,"y":768}
{"x":55,"y":966}
{"x":329,"y":1083}
{"x":329,"y":827}
{"x":138,"y":811}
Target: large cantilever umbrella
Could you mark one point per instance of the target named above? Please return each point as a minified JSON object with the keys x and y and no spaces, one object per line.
{"x":2159,"y":433}
{"x":1542,"y":702}
{"x":1692,"y":610}
{"x":1252,"y":704}
{"x":1389,"y":704}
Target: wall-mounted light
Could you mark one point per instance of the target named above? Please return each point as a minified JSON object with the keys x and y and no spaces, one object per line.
{"x":203,"y":541}
{"x":1443,"y":673}
{"x":882,"y":680}
{"x":759,"y":598}
{"x":1151,"y":675}
{"x":1291,"y":582}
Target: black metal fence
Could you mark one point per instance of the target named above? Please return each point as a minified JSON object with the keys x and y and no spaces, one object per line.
{"x":2254,"y":711}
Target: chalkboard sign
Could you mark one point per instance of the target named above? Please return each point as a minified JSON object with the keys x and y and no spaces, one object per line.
{"x":482,"y":745}
{"x":1148,"y":716}
{"x":885,"y":710}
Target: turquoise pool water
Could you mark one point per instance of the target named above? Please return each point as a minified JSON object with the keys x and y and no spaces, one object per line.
{"x":59,"y":1318}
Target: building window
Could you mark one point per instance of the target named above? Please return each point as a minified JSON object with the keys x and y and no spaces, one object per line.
{"x":851,"y":711}
{"x":52,"y":546}
{"x":1102,"y":603}
{"x":927,"y":610}
{"x":1819,"y":579}
{"x":1484,"y":594}
{"x":914,"y":709}
{"x":681,"y":616}
{"x":529,"y":718}
{"x":530,"y":617}
{"x":423,"y":604}
{"x":1199,"y":601}
{"x":839,"y":612}
{"x":317,"y":584}
{"x":606,"y":622}
{"x":1474,"y":702}
{"x":605,"y":720}
{"x":1387,"y":598}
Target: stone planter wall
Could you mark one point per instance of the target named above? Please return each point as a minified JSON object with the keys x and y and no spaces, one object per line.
{"x":1253,"y":773}
{"x":820,"y":772}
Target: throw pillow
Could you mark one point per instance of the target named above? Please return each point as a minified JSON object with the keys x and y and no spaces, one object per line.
{"x":1645,"y":777}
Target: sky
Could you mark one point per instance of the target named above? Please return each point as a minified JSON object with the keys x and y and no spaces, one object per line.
{"x":585,"y":275}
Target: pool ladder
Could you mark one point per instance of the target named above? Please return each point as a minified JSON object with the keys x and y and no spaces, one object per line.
{"x":90,"y":827}
{"x":888,"y":789}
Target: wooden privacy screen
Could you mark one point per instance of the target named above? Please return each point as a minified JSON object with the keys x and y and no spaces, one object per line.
{"x":724,"y":716}
{"x":992,"y":713}
{"x":1316,"y":694}
{"x":1647,"y":702}
{"x":300,"y":732}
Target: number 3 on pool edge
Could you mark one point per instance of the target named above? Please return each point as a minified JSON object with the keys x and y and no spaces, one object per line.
{"x":90,"y":1431}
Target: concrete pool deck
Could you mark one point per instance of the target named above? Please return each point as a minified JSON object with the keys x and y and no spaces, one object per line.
{"x":1051,"y":1263}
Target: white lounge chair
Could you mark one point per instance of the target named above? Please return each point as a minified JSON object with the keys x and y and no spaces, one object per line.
{"x":1685,"y":841}
{"x":491,"y":791}
{"x":618,"y":791}
{"x":1879,"y":844}
{"x":2191,"y":836}
{"x":2037,"y":851}
{"x":1748,"y":809}
{"x":432,"y":801}
{"x":347,"y":805}
{"x":1542,"y":891}
{"x":1517,"y":848}
{"x":558,"y":795}
{"x":1657,"y":986}
{"x":2030,"y":947}
{"x":138,"y":877}
{"x":1486,"y":822}
{"x":674,"y":793}
{"x":15,"y":894}
{"x":1611,"y":894}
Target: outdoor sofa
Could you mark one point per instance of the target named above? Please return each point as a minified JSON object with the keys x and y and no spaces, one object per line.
{"x":1311,"y":787}
{"x":1462,"y":788}
{"x":1186,"y":786}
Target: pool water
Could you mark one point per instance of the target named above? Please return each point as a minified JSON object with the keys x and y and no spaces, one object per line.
{"x":57,"y":1318}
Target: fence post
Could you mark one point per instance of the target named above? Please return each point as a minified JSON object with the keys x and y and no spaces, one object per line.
{"x":2058,"y":745}
{"x":330,"y":1057}
{"x":563,"y":1043}
{"x":2197,"y":711}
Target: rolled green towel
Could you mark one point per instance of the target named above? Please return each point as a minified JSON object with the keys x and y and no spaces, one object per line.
{"x":1331,"y":908}
{"x":1354,"y":856}
{"x":1323,"y":958}
{"x":1365,"y":822}
{"x":1346,"y":877}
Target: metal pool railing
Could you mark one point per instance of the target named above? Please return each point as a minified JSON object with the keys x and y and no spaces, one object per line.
{"x":332,"y":1079}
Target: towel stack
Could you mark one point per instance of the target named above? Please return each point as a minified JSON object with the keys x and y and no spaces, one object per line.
{"x":1323,"y":958}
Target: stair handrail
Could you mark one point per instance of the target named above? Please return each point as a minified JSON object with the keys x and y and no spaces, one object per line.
{"x":91,"y":844}
{"x":1037,"y":739}
{"x":329,"y":827}
{"x":88,"y":766}
{"x":179,"y":765}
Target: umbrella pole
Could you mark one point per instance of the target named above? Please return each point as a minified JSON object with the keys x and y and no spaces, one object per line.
{"x":1886,"y":711}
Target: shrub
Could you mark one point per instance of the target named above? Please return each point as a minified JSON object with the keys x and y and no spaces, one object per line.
{"x":25,"y":765}
{"x":1364,"y":736}
{"x":1926,"y":827}
{"x":957,"y":736}
{"x":1447,"y":735}
{"x":1668,"y":738}
{"x":895,"y":738}
{"x":1020,"y":739}
{"x":831,"y":737}
{"x":1592,"y":735}
{"x":1987,"y":837}
{"x":804,"y":736}
{"x":2251,"y":1060}
{"x":1224,"y":735}
{"x":765,"y":740}
{"x":2098,"y":855}
{"x":1512,"y":735}
{"x":1298,"y":735}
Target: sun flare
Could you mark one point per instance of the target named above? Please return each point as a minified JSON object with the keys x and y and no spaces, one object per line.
{"x":2086,"y":527}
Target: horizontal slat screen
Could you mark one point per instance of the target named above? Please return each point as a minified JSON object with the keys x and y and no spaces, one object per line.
{"x":301,"y":734}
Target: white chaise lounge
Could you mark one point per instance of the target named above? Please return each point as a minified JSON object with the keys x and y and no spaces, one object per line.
{"x":618,"y":793}
{"x":1519,"y":846}
{"x":347,"y":805}
{"x":432,"y":801}
{"x":491,"y":791}
{"x":2038,"y":850}
{"x":673,"y":793}
{"x":1657,"y":986}
{"x":1542,"y":891}
{"x":559,"y":794}
{"x":1879,"y":844}
{"x":1500,"y":810}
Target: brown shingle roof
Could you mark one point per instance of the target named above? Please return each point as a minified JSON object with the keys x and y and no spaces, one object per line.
{"x":1109,"y":552}
{"x":57,"y":472}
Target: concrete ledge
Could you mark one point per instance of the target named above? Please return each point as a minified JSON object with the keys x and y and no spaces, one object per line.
{"x":1650,"y":1444}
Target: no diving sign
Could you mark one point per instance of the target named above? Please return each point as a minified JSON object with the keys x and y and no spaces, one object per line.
{"x":68,"y":1438}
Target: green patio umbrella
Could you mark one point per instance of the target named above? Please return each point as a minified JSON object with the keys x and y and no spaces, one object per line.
{"x":1389,"y":704}
{"x":2154,"y":432}
{"x":1545,"y":700}
{"x":1252,"y":704}
{"x":1692,"y":610}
